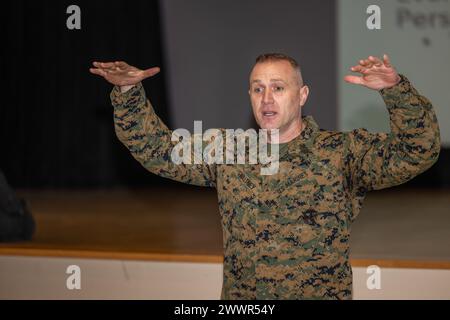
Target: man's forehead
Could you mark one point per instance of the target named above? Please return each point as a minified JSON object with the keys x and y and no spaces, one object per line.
{"x":271,"y":75}
{"x":272,"y":71}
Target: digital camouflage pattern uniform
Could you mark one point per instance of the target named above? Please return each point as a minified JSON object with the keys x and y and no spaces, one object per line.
{"x":286,"y":235}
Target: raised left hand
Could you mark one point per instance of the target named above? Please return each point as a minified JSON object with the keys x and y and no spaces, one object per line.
{"x":376,"y":74}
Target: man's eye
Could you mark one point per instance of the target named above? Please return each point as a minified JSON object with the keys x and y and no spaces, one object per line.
{"x":279,"y":88}
{"x":257,"y":90}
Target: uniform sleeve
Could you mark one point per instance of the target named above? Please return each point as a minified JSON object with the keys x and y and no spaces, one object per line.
{"x":382,"y":160}
{"x":150,"y":141}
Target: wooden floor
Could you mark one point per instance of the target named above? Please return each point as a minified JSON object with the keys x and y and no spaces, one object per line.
{"x":396,"y":228}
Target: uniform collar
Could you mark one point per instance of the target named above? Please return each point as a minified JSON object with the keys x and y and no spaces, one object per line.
{"x":309,"y":131}
{"x":310,"y":127}
{"x":304,"y":141}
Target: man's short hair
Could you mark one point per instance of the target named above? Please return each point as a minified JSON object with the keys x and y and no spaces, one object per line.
{"x":269,"y":57}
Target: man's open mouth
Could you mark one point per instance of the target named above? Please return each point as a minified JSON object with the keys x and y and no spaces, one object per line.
{"x":269,"y":114}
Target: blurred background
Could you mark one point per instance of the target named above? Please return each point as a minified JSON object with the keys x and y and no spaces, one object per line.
{"x":91,"y":200}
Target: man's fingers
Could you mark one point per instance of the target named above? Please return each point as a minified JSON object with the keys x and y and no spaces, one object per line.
{"x":97,"y":71}
{"x":104,"y":65}
{"x":358,"y":68}
{"x":368,"y":63}
{"x":354,"y":79}
{"x":365,"y":63}
{"x":377,"y":62}
{"x":107,"y":65}
{"x":387,"y":61}
{"x":150,"y":72}
{"x":121,"y":64}
{"x":121,"y":71}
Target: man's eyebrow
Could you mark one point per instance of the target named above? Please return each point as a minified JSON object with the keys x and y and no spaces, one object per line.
{"x":277,"y":80}
{"x":271,"y":80}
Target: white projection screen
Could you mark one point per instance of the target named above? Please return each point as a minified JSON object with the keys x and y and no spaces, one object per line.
{"x":416,"y":35}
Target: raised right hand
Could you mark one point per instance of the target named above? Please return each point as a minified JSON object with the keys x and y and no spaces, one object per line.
{"x":121,"y":74}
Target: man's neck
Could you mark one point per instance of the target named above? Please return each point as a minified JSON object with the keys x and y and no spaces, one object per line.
{"x":292,"y":132}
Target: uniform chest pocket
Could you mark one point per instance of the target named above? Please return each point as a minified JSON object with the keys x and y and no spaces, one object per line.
{"x":312,"y":215}
{"x":319,"y":184}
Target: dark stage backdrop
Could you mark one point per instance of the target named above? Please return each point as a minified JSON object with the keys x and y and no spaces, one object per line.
{"x":56,"y":123}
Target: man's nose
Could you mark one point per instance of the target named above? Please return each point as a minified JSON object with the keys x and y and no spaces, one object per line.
{"x":267,"y":97}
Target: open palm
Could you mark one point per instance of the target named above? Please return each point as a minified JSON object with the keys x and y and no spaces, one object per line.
{"x":376,"y":74}
{"x":120,"y":73}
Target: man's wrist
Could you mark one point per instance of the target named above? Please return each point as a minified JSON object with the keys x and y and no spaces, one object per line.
{"x":124,"y":89}
{"x":399,"y":79}
{"x":121,"y":100}
{"x":403,"y":82}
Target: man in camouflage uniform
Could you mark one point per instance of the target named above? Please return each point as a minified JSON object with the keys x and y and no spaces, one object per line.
{"x":286,"y":235}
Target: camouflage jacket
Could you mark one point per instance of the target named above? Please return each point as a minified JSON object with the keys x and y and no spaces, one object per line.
{"x":286,"y":235}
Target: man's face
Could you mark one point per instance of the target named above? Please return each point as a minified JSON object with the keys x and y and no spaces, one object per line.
{"x":276,"y":95}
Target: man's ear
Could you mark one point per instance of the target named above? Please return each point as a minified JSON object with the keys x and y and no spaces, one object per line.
{"x":304,"y":93}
